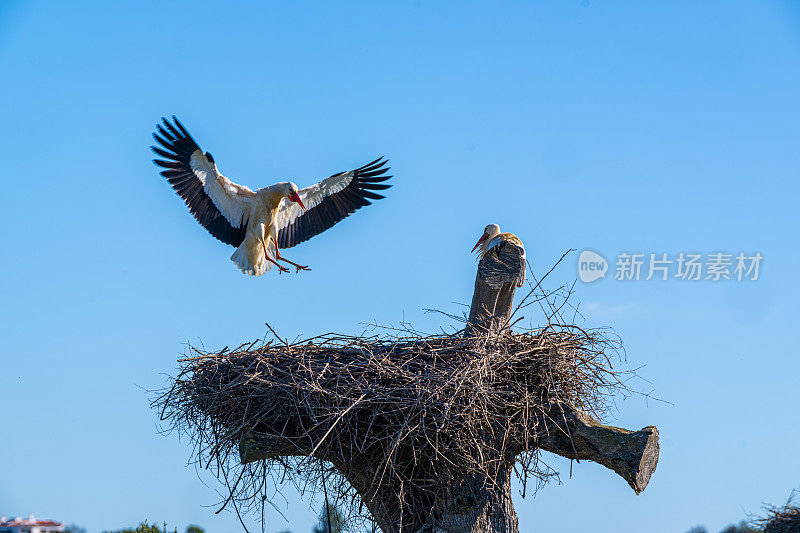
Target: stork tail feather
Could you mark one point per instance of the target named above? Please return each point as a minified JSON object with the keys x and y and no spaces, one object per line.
{"x":255,"y":267}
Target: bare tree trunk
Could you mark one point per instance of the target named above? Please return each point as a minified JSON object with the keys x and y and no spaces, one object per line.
{"x":499,"y":271}
{"x":474,"y":504}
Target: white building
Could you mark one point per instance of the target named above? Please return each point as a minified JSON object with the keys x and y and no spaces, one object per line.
{"x":29,"y":525}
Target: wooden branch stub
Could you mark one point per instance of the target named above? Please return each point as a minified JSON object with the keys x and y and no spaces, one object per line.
{"x":255,"y":446}
{"x":573,"y":434}
{"x":499,"y":273}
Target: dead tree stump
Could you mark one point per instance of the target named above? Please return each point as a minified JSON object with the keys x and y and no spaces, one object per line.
{"x":468,"y":501}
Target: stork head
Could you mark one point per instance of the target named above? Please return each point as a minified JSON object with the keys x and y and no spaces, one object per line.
{"x":489,"y":232}
{"x":293,"y":194}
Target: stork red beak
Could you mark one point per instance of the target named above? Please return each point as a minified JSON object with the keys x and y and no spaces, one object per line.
{"x":296,"y":198}
{"x":483,"y":238}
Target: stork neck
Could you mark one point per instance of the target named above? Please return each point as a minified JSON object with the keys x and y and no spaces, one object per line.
{"x":486,"y":244}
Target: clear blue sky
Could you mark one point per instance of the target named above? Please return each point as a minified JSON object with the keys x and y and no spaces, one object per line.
{"x":661,"y":126}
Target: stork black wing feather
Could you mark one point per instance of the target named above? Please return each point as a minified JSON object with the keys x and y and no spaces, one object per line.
{"x":162,"y":153}
{"x":371,"y":195}
{"x":337,"y":206}
{"x":177,"y":147}
{"x":376,"y":186}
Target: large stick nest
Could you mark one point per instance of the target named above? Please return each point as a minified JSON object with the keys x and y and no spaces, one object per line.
{"x":406,"y":408}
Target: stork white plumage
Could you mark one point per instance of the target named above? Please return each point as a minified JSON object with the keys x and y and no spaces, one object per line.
{"x":259,"y":223}
{"x":492,"y":237}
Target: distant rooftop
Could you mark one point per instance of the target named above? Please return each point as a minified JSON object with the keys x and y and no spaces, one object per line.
{"x":30,"y":521}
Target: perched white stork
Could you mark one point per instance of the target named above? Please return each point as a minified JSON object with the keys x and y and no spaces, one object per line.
{"x":259,"y":223}
{"x":492,"y":237}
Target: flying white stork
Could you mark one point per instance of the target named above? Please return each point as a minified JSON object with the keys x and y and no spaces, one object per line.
{"x":259,"y":223}
{"x":492,"y":237}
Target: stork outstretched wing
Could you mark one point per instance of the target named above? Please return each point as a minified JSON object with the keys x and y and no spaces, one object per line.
{"x":330,"y":201}
{"x":220,"y":205}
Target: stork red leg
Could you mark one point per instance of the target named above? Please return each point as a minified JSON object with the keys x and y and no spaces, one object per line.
{"x":281,"y":268}
{"x":278,"y":254}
